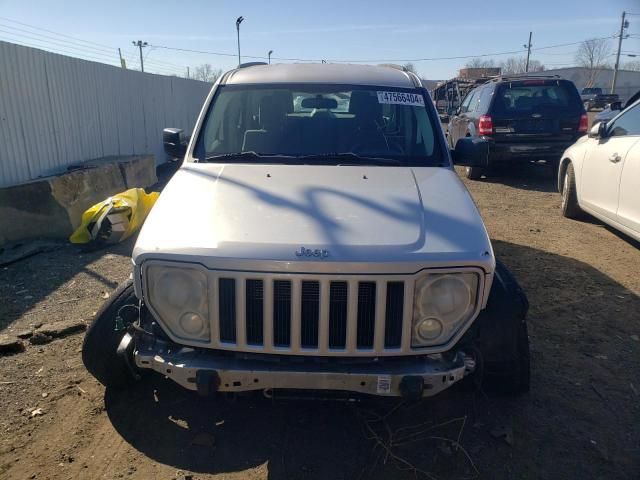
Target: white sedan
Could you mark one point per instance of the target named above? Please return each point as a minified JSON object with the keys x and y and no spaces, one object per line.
{"x":600,"y":173}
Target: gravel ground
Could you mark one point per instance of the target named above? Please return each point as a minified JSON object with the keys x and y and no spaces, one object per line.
{"x":579,"y":421}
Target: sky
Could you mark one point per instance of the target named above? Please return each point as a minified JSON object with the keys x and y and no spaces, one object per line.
{"x":369,"y":31}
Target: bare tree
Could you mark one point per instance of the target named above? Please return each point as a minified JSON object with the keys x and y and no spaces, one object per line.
{"x":206,"y":73}
{"x":516,"y":65}
{"x":480,"y":63}
{"x":592,"y":55}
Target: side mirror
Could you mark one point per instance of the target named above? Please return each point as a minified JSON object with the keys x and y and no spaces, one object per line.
{"x":615,"y":106}
{"x":174,"y":144}
{"x":471,"y":152}
{"x":599,"y":130}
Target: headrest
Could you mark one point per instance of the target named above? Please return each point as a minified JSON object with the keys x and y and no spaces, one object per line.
{"x":365,"y":104}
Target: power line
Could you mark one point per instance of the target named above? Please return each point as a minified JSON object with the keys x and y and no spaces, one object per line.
{"x":46,"y":42}
{"x":56,"y":33}
{"x":378,"y":60}
{"x":59,"y":51}
{"x":99,"y":49}
{"x":56,"y":39}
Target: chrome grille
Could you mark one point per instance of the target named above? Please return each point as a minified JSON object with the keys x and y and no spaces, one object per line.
{"x":299,"y":315}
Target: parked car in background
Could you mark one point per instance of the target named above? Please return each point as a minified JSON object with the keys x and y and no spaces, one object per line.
{"x":600,"y":174}
{"x":316,"y":237}
{"x":594,"y":97}
{"x":614,"y":109}
{"x":522,"y":118}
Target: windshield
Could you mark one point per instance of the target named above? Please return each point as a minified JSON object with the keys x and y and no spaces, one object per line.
{"x":533,"y":95}
{"x":319,"y":124}
{"x":591,"y":90}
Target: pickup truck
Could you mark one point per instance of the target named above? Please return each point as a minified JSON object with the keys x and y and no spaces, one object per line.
{"x":593,"y":97}
{"x":316,"y":237}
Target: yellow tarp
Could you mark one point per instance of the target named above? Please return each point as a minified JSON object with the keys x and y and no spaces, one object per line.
{"x":116,"y":218}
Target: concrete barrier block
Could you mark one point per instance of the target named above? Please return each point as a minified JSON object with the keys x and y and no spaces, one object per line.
{"x":52,"y":207}
{"x":139,"y":171}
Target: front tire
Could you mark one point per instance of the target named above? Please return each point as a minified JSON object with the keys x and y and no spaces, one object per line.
{"x":570,"y":206}
{"x":500,"y":338}
{"x":99,"y":349}
{"x":512,"y":377}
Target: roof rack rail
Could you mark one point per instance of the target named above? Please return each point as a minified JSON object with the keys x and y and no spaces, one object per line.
{"x":414,"y":78}
{"x":521,"y":76}
{"x":394,"y":65}
{"x":251,"y":64}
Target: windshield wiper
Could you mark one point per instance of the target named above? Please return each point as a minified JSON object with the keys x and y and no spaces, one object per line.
{"x":250,"y":154}
{"x":359,"y":159}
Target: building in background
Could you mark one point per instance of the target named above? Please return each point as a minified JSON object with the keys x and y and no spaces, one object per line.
{"x":627,"y":83}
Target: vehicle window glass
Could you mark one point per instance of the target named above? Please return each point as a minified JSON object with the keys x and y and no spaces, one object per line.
{"x":626,"y":124}
{"x":303,"y":120}
{"x":527,"y":97}
{"x":467,"y":102}
{"x":485,"y":99}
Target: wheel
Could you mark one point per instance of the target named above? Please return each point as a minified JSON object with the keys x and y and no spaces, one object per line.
{"x":473,"y":173}
{"x":499,"y":338}
{"x":512,"y":377}
{"x":570,"y":207}
{"x":105,"y":334}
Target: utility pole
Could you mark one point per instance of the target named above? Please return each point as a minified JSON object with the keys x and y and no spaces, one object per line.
{"x":528,"y":47}
{"x":140,"y":44}
{"x":624,"y":24}
{"x":238,"y":22}
{"x":188,"y":73}
{"x":123,"y":64}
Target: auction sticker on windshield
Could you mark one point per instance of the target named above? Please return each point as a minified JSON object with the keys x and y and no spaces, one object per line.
{"x":401,"y":98}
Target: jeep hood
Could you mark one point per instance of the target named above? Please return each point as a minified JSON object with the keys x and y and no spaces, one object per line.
{"x":257,"y":217}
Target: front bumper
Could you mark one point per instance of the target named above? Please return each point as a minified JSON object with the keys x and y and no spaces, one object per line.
{"x":208,"y":372}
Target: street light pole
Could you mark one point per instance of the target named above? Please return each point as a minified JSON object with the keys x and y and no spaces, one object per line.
{"x":140,"y":44}
{"x":269,"y":55}
{"x":238,"y":22}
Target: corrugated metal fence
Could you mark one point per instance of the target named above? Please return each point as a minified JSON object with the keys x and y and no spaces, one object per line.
{"x":56,"y":111}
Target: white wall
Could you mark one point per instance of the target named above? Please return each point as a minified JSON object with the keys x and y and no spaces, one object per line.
{"x":57,"y":111}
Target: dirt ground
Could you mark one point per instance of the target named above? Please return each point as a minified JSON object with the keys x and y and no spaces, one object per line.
{"x":579,"y":421}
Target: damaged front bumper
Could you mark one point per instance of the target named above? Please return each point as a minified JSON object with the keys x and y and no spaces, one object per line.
{"x":208,"y":371}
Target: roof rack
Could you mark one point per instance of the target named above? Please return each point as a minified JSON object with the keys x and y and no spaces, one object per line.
{"x":521,"y":76}
{"x":251,"y":64}
{"x":414,"y":78}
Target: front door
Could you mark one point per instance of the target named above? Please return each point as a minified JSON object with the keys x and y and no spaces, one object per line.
{"x":603,"y":164}
{"x":629,"y":201}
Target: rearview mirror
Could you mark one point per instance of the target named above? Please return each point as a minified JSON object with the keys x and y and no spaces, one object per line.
{"x":471,"y":152}
{"x":320,"y":102}
{"x":599,"y":130}
{"x":174,"y":144}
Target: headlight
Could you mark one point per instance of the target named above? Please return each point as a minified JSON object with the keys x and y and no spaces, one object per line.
{"x":442,"y":304}
{"x":179,"y":296}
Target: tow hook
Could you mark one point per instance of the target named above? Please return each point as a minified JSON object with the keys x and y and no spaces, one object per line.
{"x":125,"y":350}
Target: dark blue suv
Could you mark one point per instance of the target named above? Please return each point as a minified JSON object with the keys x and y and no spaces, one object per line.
{"x":523,"y":118}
